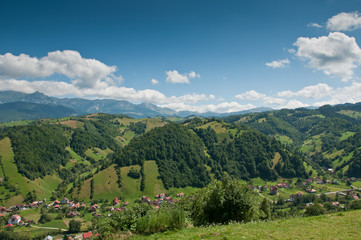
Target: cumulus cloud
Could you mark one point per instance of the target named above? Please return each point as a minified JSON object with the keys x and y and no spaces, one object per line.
{"x":316,"y":91}
{"x":191,"y":98}
{"x":251,"y":95}
{"x":255,"y":96}
{"x":278,"y":63}
{"x":336,"y":54}
{"x":84,"y":73}
{"x":292,"y":104}
{"x":219,"y":108}
{"x":315,"y":25}
{"x":175,"y":77}
{"x":154,"y":81}
{"x":350,"y":94}
{"x":344,"y":22}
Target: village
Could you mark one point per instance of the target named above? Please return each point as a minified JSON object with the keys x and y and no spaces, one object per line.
{"x":72,"y":210}
{"x":66,"y":209}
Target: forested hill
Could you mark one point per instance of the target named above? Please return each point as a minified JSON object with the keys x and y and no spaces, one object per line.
{"x":75,"y":151}
{"x":182,"y":153}
{"x":320,"y":133}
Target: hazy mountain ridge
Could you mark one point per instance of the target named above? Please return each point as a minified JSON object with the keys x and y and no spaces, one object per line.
{"x":85,"y":106}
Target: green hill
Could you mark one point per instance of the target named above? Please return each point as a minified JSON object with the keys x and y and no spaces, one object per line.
{"x":319,"y":227}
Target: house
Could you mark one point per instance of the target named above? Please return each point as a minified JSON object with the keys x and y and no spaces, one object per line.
{"x":2,"y":215}
{"x":48,"y":237}
{"x":274,"y":190}
{"x":56,"y":202}
{"x":319,"y":181}
{"x":87,"y":235}
{"x":309,"y":180}
{"x":64,"y":201}
{"x":336,"y":204}
{"x":94,"y":207}
{"x":116,"y":201}
{"x":146,"y":199}
{"x":2,"y":209}
{"x":251,"y":187}
{"x":309,"y":190}
{"x":334,"y":181}
{"x":57,"y":206}
{"x":83,"y":205}
{"x":15,"y":219}
{"x":180,"y":194}
{"x":355,"y":197}
{"x":126,"y":204}
{"x":76,"y":206}
{"x":20,"y":206}
{"x":72,"y":214}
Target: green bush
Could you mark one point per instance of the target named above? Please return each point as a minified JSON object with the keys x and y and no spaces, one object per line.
{"x":162,"y":220}
{"x":314,"y":210}
{"x":224,"y":201}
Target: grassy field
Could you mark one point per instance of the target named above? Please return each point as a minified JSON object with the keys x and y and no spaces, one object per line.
{"x":43,"y":187}
{"x":84,"y":193}
{"x":97,"y":153}
{"x":105,"y":184}
{"x":153,"y":185}
{"x":331,"y":226}
{"x":130,"y":186}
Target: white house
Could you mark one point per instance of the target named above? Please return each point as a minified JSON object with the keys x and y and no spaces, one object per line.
{"x":48,"y":238}
{"x":15,"y":219}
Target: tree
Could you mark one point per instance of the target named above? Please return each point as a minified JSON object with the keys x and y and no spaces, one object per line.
{"x":74,"y":226}
{"x":314,"y":210}
{"x":45,"y":217}
{"x":224,"y":201}
{"x":265,"y":209}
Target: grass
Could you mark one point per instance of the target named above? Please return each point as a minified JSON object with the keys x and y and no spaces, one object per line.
{"x":331,"y":226}
{"x":130,"y":186}
{"x":72,"y":123}
{"x":350,"y":113}
{"x":346,"y":135}
{"x":105,"y":184}
{"x":153,"y":185}
{"x":16,"y":123}
{"x":31,"y":214}
{"x":284,"y":139}
{"x":97,"y":153}
{"x":55,"y":224}
{"x":42,"y":186}
{"x":84,"y":193}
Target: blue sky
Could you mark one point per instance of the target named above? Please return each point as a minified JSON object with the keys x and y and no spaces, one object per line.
{"x":206,"y":55}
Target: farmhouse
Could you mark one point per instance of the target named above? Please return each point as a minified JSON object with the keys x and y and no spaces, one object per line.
{"x":15,"y":219}
{"x":274,"y":190}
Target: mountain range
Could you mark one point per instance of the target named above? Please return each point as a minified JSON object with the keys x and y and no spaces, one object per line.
{"x":38,"y":105}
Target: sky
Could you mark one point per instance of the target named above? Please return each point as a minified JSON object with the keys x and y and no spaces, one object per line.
{"x":199,"y":55}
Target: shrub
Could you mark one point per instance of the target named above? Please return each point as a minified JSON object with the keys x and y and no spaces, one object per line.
{"x":224,"y":201}
{"x":314,"y":210}
{"x":162,"y":220}
{"x":74,"y":226}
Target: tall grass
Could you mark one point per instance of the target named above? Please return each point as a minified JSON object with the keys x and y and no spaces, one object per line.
{"x":160,"y":221}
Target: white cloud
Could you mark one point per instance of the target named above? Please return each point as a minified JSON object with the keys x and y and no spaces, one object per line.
{"x":84,"y":73}
{"x":154,"y":81}
{"x":191,"y":98}
{"x":315,"y":25}
{"x":175,"y":77}
{"x":316,"y":91}
{"x":219,"y":108}
{"x":344,"y":22}
{"x":336,"y":54}
{"x":273,"y":101}
{"x":251,"y":95}
{"x":256,"y":96}
{"x":348,"y":94}
{"x":292,"y":104}
{"x":278,"y":63}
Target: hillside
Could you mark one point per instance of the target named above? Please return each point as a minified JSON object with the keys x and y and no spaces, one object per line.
{"x":80,"y":153}
{"x":322,"y":134}
{"x":319,"y":227}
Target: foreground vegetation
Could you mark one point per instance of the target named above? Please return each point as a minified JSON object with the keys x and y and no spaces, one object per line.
{"x":344,"y":225}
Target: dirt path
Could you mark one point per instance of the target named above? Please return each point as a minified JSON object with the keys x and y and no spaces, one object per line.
{"x":64,"y":230}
